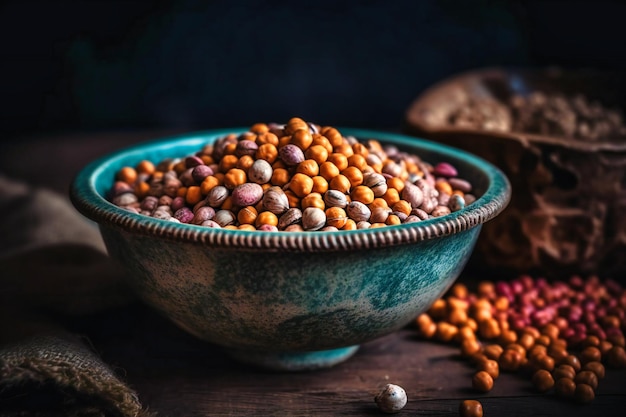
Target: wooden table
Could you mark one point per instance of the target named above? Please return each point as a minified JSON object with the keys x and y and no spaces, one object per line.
{"x":178,"y":375}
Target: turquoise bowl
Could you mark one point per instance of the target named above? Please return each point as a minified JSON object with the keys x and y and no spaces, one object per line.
{"x":289,"y":300}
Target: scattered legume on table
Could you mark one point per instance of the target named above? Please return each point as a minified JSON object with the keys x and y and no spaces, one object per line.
{"x":294,"y":177}
{"x":559,"y":334}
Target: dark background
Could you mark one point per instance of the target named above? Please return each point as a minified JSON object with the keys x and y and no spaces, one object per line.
{"x":184,"y":64}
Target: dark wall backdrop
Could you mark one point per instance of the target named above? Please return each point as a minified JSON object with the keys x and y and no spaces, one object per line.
{"x":186,"y":64}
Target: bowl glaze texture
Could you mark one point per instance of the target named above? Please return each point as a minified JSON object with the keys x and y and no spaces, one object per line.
{"x":289,"y":300}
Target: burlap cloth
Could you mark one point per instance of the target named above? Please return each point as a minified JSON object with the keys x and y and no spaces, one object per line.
{"x":53,"y":264}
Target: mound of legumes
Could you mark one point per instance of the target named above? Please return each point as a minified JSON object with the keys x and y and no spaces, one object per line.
{"x":559,"y":334}
{"x":294,"y":177}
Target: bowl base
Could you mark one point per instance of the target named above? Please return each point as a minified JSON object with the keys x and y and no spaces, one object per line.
{"x":294,"y":361}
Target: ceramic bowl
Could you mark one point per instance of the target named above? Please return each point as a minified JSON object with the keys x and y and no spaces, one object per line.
{"x":289,"y":300}
{"x":564,"y":217}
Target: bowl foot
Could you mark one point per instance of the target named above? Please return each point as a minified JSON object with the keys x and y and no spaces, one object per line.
{"x":294,"y":361}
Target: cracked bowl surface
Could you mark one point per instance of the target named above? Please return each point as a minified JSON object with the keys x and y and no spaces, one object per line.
{"x":276,"y":292}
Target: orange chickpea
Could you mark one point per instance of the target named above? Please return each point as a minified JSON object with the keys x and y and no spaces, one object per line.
{"x":259,"y":128}
{"x":313,"y":200}
{"x":322,"y":141}
{"x":280,"y":177}
{"x":301,"y":184}
{"x":493,"y":351}
{"x":340,"y":183}
{"x":565,"y":387}
{"x":294,"y":124}
{"x":209,"y":183}
{"x":391,"y":196}
{"x":141,"y":189}
{"x":470,"y":408}
{"x":392,"y":220}
{"x":317,"y":153}
{"x":354,"y":174}
{"x":193,"y":195}
{"x":328,"y":170}
{"x":207,"y":159}
{"x":127,"y":174}
{"x":446,"y":332}
{"x":302,"y":138}
{"x":266,"y":217}
{"x":267,"y":138}
{"x":395,"y":183}
{"x":360,"y":149}
{"x":320,"y":185}
{"x":378,"y":202}
{"x":247,"y":215}
{"x":402,"y":206}
{"x":443,"y":187}
{"x":308,"y":167}
{"x":145,"y":167}
{"x":333,"y":135}
{"x":336,"y":216}
{"x":542,"y":380}
{"x":363,"y":194}
{"x":469,"y":347}
{"x":345,"y":148}
{"x":491,"y":367}
{"x":482,"y":381}
{"x":292,"y":198}
{"x":245,"y":162}
{"x":350,"y":225}
{"x":234,"y":177}
{"x":268,"y":152}
{"x":227,"y":163}
{"x":230,"y":149}
{"x":246,"y":227}
{"x":340,"y":160}
{"x":358,"y":161}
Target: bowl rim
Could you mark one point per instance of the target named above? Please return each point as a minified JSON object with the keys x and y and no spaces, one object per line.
{"x":90,"y":203}
{"x":417,"y":121}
